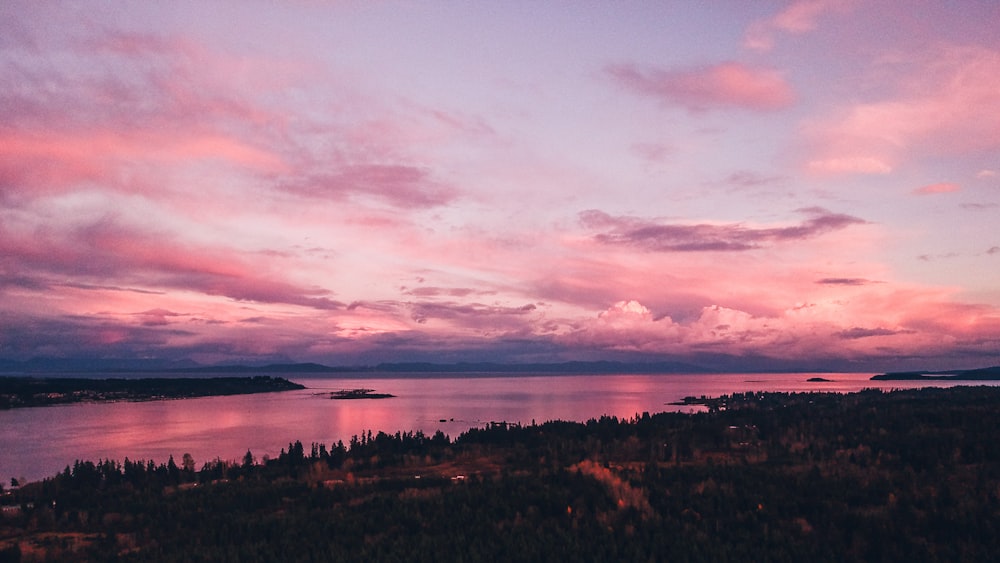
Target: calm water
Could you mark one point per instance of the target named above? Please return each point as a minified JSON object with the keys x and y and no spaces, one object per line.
{"x":39,"y":442}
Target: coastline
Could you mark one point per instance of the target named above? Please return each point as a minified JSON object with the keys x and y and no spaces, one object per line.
{"x":27,"y":392}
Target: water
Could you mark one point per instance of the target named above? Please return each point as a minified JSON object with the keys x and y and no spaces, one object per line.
{"x":39,"y":442}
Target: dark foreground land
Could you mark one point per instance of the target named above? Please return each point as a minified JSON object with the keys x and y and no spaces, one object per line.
{"x":39,"y":392}
{"x":870,"y":476}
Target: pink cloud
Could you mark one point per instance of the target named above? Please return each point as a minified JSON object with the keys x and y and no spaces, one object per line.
{"x":160,"y":195}
{"x":907,"y":321}
{"x":800,"y":16}
{"x":159,"y":105}
{"x":939,"y":188}
{"x":944,"y":102}
{"x":652,"y":152}
{"x":181,"y":106}
{"x":108,"y":250}
{"x":724,"y":85}
{"x":399,"y":185}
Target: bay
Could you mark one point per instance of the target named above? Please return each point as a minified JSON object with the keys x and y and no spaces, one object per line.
{"x":39,"y":442}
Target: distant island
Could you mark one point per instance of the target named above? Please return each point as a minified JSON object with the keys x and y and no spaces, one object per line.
{"x":981,"y":374}
{"x":18,"y":392}
{"x":359,"y":394}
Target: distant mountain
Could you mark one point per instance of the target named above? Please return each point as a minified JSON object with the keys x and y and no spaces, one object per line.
{"x":981,"y":374}
{"x":595,"y":367}
{"x":115,"y":366}
{"x":92,"y":365}
{"x":270,"y":368}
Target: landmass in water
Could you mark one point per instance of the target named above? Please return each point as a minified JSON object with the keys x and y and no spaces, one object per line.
{"x":981,"y":374}
{"x":359,"y":394}
{"x":18,"y":392}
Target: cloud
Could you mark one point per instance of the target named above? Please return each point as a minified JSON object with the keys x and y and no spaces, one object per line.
{"x":428,"y":291}
{"x":724,"y":85}
{"x":858,"y":332}
{"x":397,"y":184}
{"x":749,"y":179}
{"x":933,"y":257}
{"x":156,"y":317}
{"x":27,"y":336}
{"x":979,"y":206}
{"x":799,"y":17}
{"x":936,"y":102}
{"x":844,"y":281}
{"x":939,"y":188}
{"x":862,"y":325}
{"x":625,"y":309}
{"x":851,"y":165}
{"x":126,"y":112}
{"x":148,"y":261}
{"x":652,"y":152}
{"x":161,"y":109}
{"x":986,"y":173}
{"x":733,"y":237}
{"x":474,"y":315}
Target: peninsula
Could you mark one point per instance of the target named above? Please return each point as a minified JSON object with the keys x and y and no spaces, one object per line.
{"x":981,"y":374}
{"x":17,"y":392}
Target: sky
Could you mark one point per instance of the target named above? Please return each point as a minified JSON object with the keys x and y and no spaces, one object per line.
{"x":740,"y":185}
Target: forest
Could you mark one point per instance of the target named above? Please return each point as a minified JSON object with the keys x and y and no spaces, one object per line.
{"x":868,"y":476}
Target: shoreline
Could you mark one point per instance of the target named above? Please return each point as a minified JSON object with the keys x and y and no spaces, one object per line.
{"x":29,"y":392}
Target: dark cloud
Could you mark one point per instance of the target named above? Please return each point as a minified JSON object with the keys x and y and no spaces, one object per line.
{"x":660,"y":237}
{"x":26,"y":336}
{"x":470,"y":314}
{"x":383,"y":306}
{"x":933,"y":257}
{"x":845,"y":281}
{"x":156,"y":317}
{"x":979,"y":206}
{"x":748,"y":179}
{"x":94,"y":287}
{"x":858,"y":332}
{"x":444,"y":291}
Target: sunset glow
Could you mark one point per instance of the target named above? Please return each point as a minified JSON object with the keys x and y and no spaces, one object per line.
{"x":735,"y":185}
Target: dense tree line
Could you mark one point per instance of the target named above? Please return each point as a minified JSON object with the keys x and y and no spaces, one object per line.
{"x":869,"y":476}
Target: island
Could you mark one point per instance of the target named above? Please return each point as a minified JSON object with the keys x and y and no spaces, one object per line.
{"x":18,"y":392}
{"x":981,"y":374}
{"x":359,"y":394}
{"x":819,"y":380}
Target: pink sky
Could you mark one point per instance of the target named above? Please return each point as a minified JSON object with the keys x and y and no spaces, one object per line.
{"x":809,"y":183}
